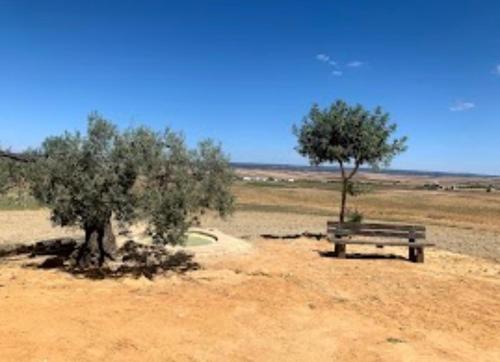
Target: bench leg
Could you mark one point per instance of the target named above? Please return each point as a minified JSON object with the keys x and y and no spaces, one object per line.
{"x":340,"y":250}
{"x":420,"y":255}
{"x":412,"y":254}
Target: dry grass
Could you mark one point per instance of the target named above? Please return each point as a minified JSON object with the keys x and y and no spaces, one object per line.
{"x":463,"y":209}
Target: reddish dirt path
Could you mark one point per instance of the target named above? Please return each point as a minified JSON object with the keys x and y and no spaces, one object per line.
{"x":283,"y":301}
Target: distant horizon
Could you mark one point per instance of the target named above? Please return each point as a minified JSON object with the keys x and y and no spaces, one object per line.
{"x":390,"y":170}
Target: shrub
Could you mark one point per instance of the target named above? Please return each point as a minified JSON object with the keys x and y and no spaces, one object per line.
{"x":355,"y":217}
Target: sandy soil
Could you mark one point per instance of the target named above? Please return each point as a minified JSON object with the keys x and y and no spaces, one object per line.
{"x":258,"y":301}
{"x":31,"y":226}
{"x":282,"y":301}
{"x":249,"y":225}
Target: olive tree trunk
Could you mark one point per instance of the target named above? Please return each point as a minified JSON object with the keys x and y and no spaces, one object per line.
{"x":343,"y":201}
{"x":99,"y":245}
{"x":346,"y":178}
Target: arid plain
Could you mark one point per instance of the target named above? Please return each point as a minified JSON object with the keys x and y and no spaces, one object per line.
{"x":277,"y":299}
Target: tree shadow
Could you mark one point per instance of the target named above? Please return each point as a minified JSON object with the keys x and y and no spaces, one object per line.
{"x":179,"y":262}
{"x":132,"y":259}
{"x":361,"y":256}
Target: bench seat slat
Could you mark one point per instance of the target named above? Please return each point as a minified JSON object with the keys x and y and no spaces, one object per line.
{"x":384,"y":243}
{"x":374,"y":226}
{"x":381,"y":233}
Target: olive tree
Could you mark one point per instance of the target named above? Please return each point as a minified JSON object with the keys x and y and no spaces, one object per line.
{"x":350,"y":136}
{"x":87,"y":180}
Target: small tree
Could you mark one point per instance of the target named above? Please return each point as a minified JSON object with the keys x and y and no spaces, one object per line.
{"x":349,"y":136}
{"x":87,"y":180}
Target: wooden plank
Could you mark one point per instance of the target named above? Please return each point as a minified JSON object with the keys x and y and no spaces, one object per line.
{"x":375,"y":226}
{"x":379,"y":226}
{"x":380,"y":233}
{"x":383,"y":243}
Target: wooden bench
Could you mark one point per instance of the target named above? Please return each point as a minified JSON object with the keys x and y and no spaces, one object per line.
{"x":341,"y":235}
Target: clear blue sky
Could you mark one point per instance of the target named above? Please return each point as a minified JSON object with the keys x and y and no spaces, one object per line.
{"x":243,"y":72}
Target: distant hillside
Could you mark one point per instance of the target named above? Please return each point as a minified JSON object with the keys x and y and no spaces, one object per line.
{"x":265,"y":166}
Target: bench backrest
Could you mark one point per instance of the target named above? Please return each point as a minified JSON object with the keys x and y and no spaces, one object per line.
{"x":412,"y":232}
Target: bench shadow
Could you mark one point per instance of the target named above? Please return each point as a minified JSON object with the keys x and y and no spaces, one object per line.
{"x":361,"y":256}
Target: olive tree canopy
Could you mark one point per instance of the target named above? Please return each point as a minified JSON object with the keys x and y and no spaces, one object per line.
{"x":89,"y":179}
{"x":350,"y":136}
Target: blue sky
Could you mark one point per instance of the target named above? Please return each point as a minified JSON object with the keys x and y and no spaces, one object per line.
{"x":243,"y":72}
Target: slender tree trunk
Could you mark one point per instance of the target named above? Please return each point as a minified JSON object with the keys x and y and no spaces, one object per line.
{"x":345,"y":183}
{"x":343,"y":200}
{"x":99,"y":245}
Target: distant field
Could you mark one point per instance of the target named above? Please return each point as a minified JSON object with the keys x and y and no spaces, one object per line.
{"x":464,"y":209}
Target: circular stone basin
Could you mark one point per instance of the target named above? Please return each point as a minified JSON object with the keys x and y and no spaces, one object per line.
{"x":195,"y":238}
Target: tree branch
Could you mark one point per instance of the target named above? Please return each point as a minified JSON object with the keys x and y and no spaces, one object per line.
{"x":18,"y":157}
{"x":342,"y":169}
{"x":354,"y":170}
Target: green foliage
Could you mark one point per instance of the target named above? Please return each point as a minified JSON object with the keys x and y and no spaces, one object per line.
{"x":355,"y":217}
{"x":348,"y":135}
{"x":181,"y":184}
{"x":4,"y":176}
{"x":12,"y":175}
{"x":14,"y":191}
{"x":18,"y":201}
{"x":139,"y":173}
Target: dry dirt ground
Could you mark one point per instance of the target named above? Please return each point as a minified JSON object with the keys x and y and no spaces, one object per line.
{"x":276,"y":301}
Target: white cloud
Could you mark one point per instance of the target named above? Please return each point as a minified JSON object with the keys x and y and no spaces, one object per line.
{"x":338,"y":69}
{"x":497,"y":70}
{"x":460,"y":106}
{"x":355,"y":64}
{"x":326,"y":59}
{"x":323,"y":58}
